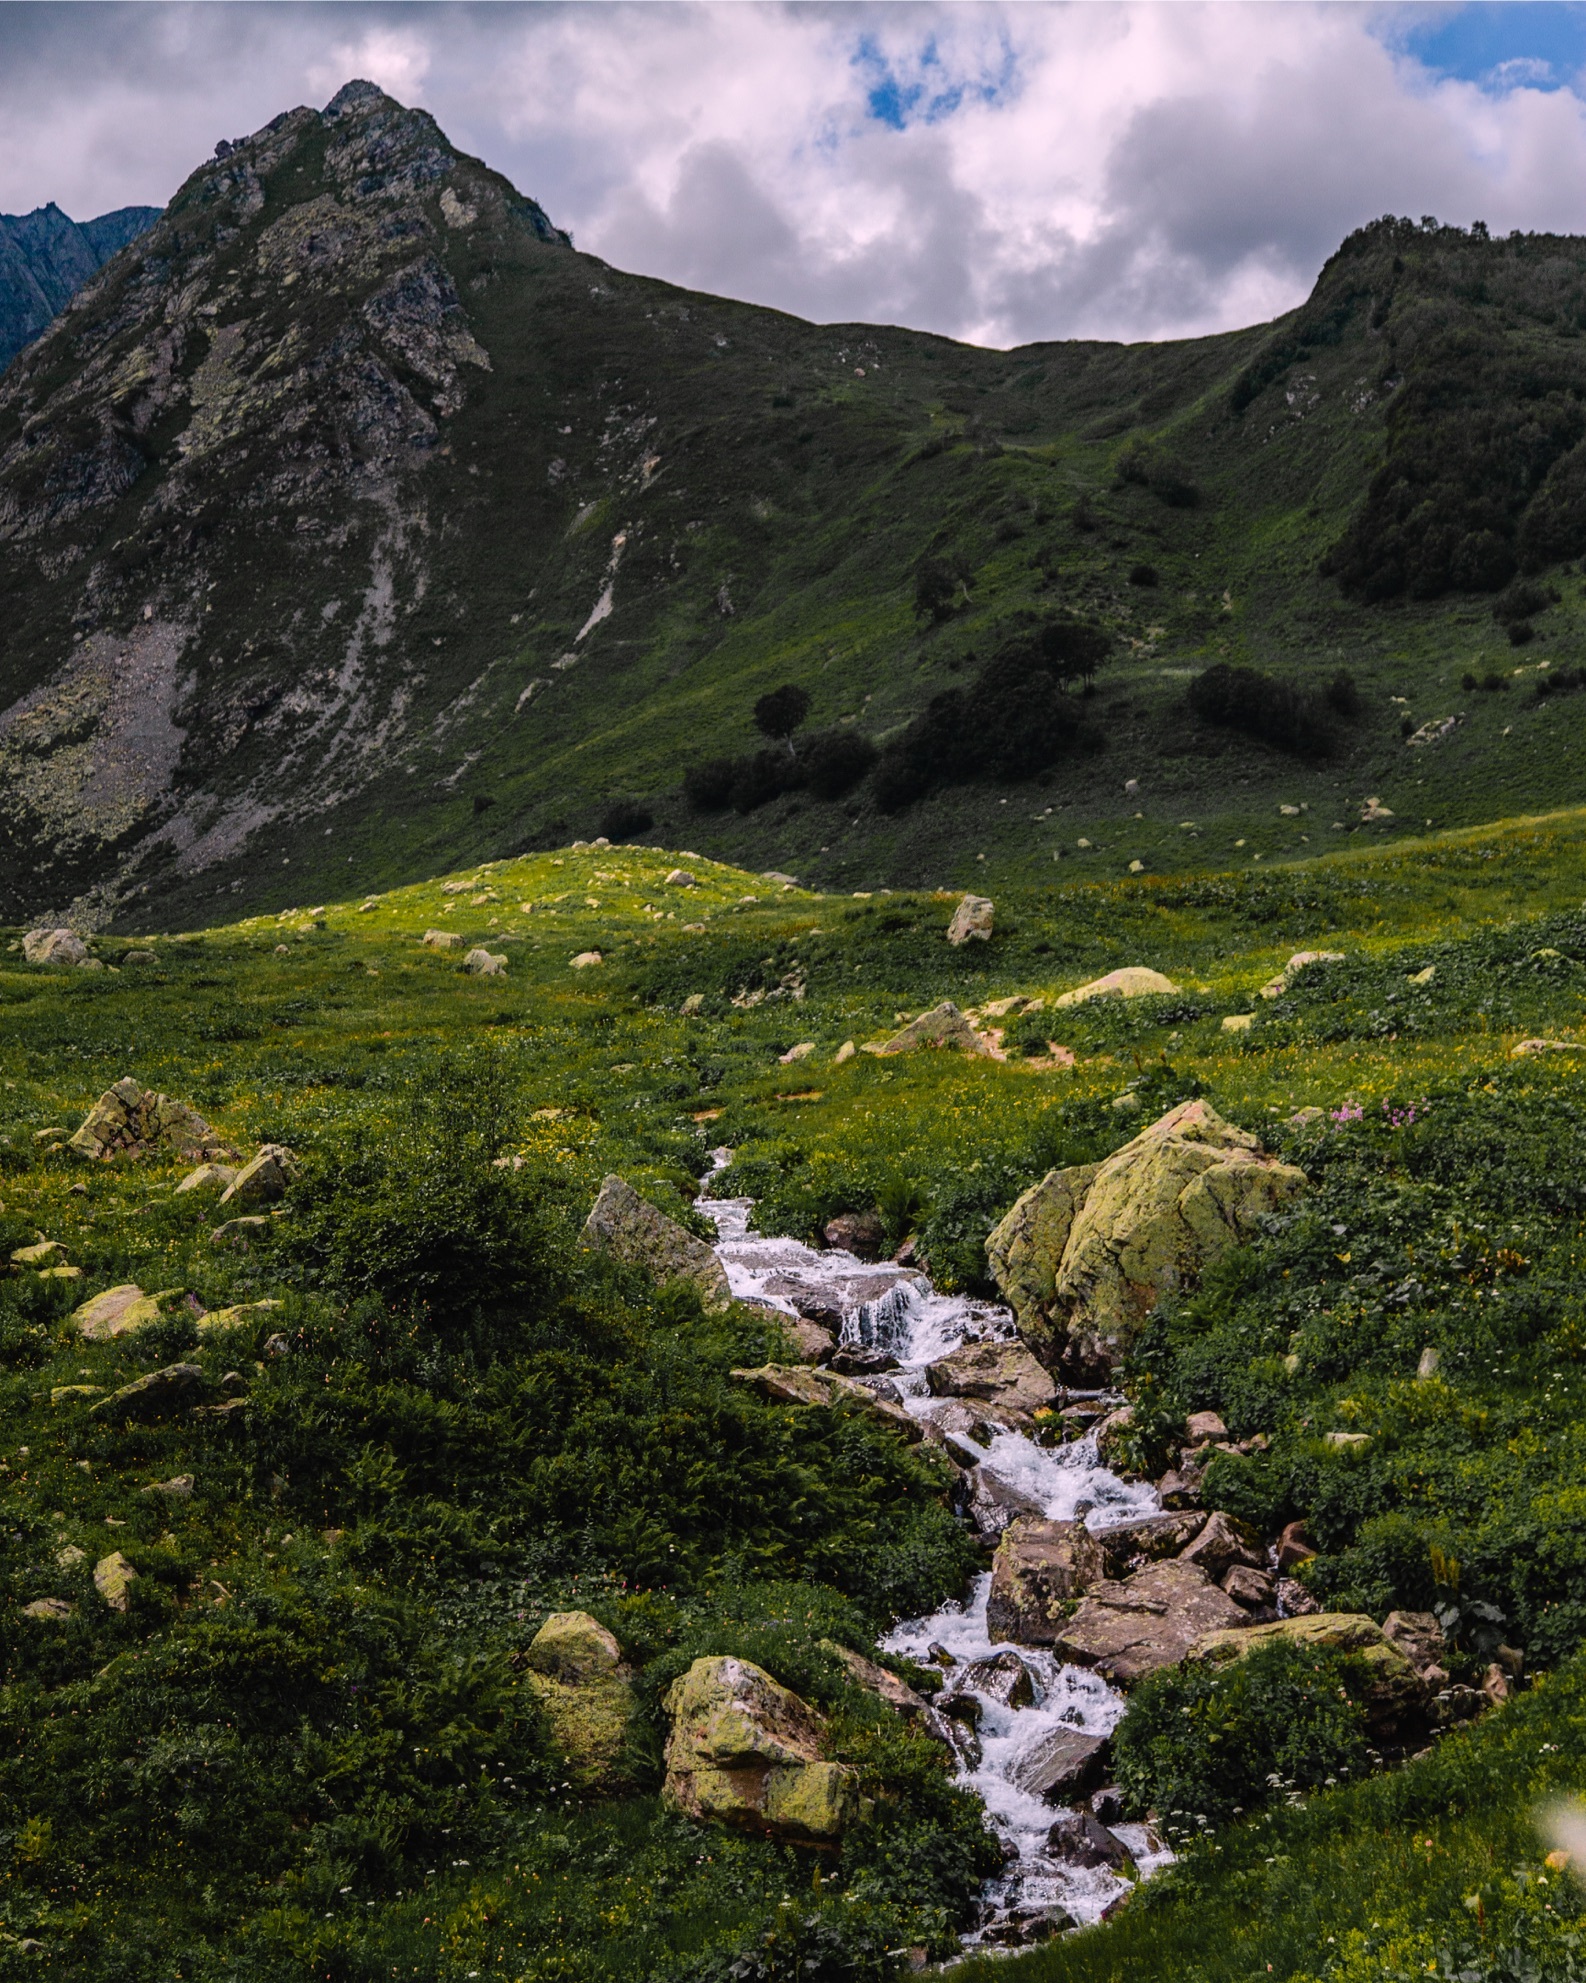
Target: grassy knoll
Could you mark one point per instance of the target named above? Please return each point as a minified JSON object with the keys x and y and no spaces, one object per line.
{"x":305,"y":1749}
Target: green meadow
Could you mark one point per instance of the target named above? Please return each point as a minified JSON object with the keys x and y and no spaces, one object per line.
{"x":305,"y":1748}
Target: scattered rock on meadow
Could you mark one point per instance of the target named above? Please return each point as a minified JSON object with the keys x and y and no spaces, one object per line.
{"x":692,"y":1005}
{"x":1127,"y":1231}
{"x":242,"y":1315}
{"x":794,"y":1054}
{"x":1131,"y":981}
{"x":746,"y":1752}
{"x":1301,"y":960}
{"x":943,"y":1026}
{"x":1001,"y":1373}
{"x":114,"y":1577}
{"x":442,"y":939}
{"x":1150,"y":1620}
{"x":481,"y":964}
{"x":576,"y":1671}
{"x":680,"y":878}
{"x":638,"y":1234}
{"x":1523,"y":1049}
{"x":136,"y":957}
{"x":972,"y":920}
{"x":174,"y":1388}
{"x":178,"y":1488}
{"x":208,"y":1177}
{"x":264,"y":1180}
{"x":586,"y":958}
{"x":43,"y":1253}
{"x":1040,"y":1566}
{"x":119,"y":1311}
{"x":844,"y":1054}
{"x":1238,"y":1022}
{"x":239,"y":1234}
{"x":54,"y":947}
{"x":131,"y":1120}
{"x":47,"y":1610}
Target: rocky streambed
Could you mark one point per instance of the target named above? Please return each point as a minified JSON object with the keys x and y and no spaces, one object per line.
{"x":1028,"y":1725}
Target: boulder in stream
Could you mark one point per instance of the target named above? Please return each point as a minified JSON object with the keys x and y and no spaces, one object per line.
{"x":748,"y":1753}
{"x":1064,"y":1764}
{"x":1131,"y":1545}
{"x":1109,"y":1241}
{"x":993,"y":1503}
{"x":1125,"y":1630}
{"x":799,"y":1384}
{"x":1003,"y":1374}
{"x":635,"y":1232}
{"x":1000,"y":1677}
{"x":1081,"y":1839}
{"x":1039,"y":1567}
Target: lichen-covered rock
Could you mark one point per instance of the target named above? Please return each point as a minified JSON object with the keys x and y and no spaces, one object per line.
{"x":972,"y":920}
{"x":117,"y":1312}
{"x":242,"y":1315}
{"x":208,"y":1177}
{"x":1000,"y":1373}
{"x":441,"y":939}
{"x":54,"y":947}
{"x":1146,"y":1221}
{"x":43,"y":1253}
{"x":1131,"y":1545}
{"x":858,"y":1233}
{"x":1396,"y":1699}
{"x":1419,"y":1636}
{"x":993,"y":1503}
{"x":174,"y":1388}
{"x":897,"y":1694}
{"x":1150,"y":1620}
{"x":943,"y":1026}
{"x":800,"y":1384}
{"x":747,"y":1753}
{"x":47,"y":1610}
{"x":1039,"y":1567}
{"x":1026,"y":1253}
{"x":114,"y":1577}
{"x":1132,"y":981}
{"x":264,"y":1180}
{"x":131,"y":1120}
{"x":480,"y":963}
{"x":576,"y":1671}
{"x":635,"y":1232}
{"x":1222,"y":1543}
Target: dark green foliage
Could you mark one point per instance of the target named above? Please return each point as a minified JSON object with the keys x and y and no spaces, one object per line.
{"x":1522,"y":601}
{"x":1013,"y":720}
{"x":1143,"y":575}
{"x":782,"y":711}
{"x":1282,"y":713}
{"x":834,"y":761}
{"x":1554,"y":526}
{"x":828,"y":763}
{"x":1490,"y":683}
{"x":1202,"y":1744}
{"x":1342,"y":695}
{"x":938,"y":583}
{"x":625,"y":820}
{"x":1166,"y":477}
{"x":1559,"y":681}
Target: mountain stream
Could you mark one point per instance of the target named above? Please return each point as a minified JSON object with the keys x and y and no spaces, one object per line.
{"x":896,"y":1310}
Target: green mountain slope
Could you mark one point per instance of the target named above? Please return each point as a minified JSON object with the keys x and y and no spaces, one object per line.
{"x":45,"y":258}
{"x":355,"y":525}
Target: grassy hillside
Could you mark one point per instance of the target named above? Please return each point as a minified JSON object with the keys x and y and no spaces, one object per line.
{"x":465,"y":1424}
{"x":353,"y":526}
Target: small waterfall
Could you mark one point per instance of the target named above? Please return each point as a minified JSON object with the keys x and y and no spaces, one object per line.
{"x":895,"y":1310}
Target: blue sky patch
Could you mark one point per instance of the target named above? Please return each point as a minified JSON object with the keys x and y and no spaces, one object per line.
{"x":922,"y":89}
{"x":1519,"y":44}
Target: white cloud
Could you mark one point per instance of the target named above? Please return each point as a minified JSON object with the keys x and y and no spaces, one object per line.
{"x":1001,"y":172}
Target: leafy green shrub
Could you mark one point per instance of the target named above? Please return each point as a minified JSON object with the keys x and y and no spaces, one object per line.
{"x":625,"y":819}
{"x":1167,"y":478}
{"x":1203,"y":1744}
{"x":1281,"y":713}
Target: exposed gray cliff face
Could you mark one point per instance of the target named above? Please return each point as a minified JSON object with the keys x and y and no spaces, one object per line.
{"x":45,"y":258}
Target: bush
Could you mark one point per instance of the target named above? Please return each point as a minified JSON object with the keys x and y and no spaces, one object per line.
{"x":937,"y":582}
{"x":625,"y":820}
{"x":1201,"y":1744}
{"x":1143,"y":575}
{"x":1521,"y":633}
{"x":1342,"y":696}
{"x":708,"y":786}
{"x":1281,"y":713}
{"x":1167,"y":479}
{"x":1013,"y":720}
{"x":1522,"y":600}
{"x":834,"y":761}
{"x":781,"y":712}
{"x":829,"y":764}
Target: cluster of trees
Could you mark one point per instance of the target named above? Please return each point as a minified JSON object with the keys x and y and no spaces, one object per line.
{"x":1015,"y":718}
{"x":1285,"y":713}
{"x":828,"y":763}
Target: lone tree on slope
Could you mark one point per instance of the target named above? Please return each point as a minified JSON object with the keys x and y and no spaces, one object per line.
{"x":781,"y":712}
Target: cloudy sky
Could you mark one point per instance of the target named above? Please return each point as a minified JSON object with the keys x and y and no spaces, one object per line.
{"x":995,"y":172}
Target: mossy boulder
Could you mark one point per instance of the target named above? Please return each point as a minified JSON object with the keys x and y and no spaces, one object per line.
{"x":575,"y":1668}
{"x":263,"y":1180}
{"x":118,"y":1311}
{"x":1085,"y":1255}
{"x":1039,"y":1568}
{"x":130,"y":1120}
{"x":746,"y":1752}
{"x":1395,"y":1697}
{"x":637,"y":1233}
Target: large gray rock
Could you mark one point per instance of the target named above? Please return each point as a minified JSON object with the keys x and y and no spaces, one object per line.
{"x":993,"y":1504}
{"x":943,"y":1026}
{"x":1131,"y":1545}
{"x":1003,"y":1374}
{"x":131,"y":1120}
{"x":800,"y":1384}
{"x":1064,"y":1764}
{"x":1150,"y":1620}
{"x":54,"y":947}
{"x":264,"y":1180}
{"x":153,"y":1395}
{"x":746,"y":1752}
{"x":972,"y":921}
{"x":1085,"y":1255}
{"x":1040,"y":1566}
{"x":635,"y":1232}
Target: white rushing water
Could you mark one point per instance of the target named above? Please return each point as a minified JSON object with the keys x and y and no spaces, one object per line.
{"x":896,"y":1310}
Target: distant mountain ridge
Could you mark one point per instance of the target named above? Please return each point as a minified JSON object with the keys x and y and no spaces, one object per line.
{"x":355,"y":527}
{"x":46,"y":257}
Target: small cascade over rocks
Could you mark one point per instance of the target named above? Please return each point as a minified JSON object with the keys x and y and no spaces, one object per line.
{"x":1021,"y":1740}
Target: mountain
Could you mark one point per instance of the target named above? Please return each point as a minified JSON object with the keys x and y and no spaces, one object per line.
{"x":46,"y":258}
{"x":353,"y":525}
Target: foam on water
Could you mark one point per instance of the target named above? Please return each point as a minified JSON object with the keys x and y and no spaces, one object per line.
{"x":894,"y":1308}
